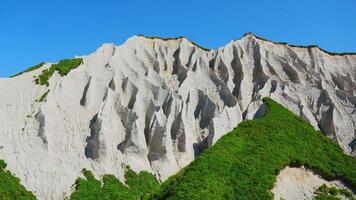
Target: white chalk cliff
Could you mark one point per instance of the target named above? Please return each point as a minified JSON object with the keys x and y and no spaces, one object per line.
{"x":154,"y":104}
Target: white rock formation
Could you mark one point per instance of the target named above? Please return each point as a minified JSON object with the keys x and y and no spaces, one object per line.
{"x":300,"y":184}
{"x":155,"y":104}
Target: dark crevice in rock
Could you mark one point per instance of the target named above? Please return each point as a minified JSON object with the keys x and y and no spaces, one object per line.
{"x":157,"y":148}
{"x":83,"y":100}
{"x":273,"y":86}
{"x":132,"y":101}
{"x":93,"y":143}
{"x":124,"y":83}
{"x":259,"y":76}
{"x":148,"y":117}
{"x":178,"y":133}
{"x":205,"y":109}
{"x":208,"y":141}
{"x":178,"y":68}
{"x":223,"y":71}
{"x":224,"y":92}
{"x":112,"y":85}
{"x":106,"y":94}
{"x":41,"y":127}
{"x":290,"y":72}
{"x":261,"y":112}
{"x":343,"y":82}
{"x":238,"y":73}
{"x":190,"y":57}
{"x":166,"y":106}
{"x":326,"y":124}
{"x":128,"y":119}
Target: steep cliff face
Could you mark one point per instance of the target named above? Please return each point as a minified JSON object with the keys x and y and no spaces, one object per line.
{"x":155,"y":104}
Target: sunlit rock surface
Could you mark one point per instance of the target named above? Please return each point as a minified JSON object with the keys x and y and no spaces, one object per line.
{"x":155,"y":104}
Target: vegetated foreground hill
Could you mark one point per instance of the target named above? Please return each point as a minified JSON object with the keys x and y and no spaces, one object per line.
{"x":10,"y":186}
{"x":155,"y":104}
{"x":244,"y":163}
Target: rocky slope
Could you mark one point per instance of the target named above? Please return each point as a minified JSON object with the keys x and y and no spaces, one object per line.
{"x":154,"y":104}
{"x":300,"y":184}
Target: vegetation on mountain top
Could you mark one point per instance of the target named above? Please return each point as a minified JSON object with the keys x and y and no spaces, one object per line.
{"x":138,"y":186}
{"x":302,"y":46}
{"x":10,"y":186}
{"x":29,"y":69}
{"x":244,"y":163}
{"x":63,"y":68}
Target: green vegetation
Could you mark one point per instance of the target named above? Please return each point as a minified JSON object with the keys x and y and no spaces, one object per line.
{"x":303,"y":46}
{"x":332,"y":193}
{"x":43,"y":97}
{"x":138,"y":186}
{"x":63,"y":68}
{"x":244,"y":163}
{"x":29,"y":69}
{"x":10,"y":186}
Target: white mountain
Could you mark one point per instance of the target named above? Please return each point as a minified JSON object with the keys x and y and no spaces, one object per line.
{"x":154,"y":104}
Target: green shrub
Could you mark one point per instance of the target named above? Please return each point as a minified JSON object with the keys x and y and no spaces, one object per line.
{"x":63,"y":68}
{"x":244,"y":163}
{"x":138,"y":186}
{"x":43,"y":97}
{"x":332,"y":193}
{"x":10,"y":186}
{"x":43,"y":78}
{"x":2,"y":164}
{"x":29,"y":69}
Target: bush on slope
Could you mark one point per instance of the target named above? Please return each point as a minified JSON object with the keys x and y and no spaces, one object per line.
{"x":10,"y":186}
{"x":138,"y":186}
{"x":244,"y":163}
{"x":63,"y":68}
{"x":29,"y":69}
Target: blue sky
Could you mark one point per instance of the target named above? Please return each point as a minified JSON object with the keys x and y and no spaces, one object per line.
{"x":50,"y":30}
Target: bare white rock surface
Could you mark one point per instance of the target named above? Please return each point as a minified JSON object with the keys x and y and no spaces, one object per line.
{"x":299,"y":184}
{"x":154,"y":104}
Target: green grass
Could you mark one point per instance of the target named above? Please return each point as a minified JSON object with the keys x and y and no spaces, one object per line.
{"x":10,"y":186}
{"x":138,"y":186}
{"x":63,"y":68}
{"x":332,"y":193}
{"x":29,"y":69}
{"x":44,"y":96}
{"x":244,"y":163}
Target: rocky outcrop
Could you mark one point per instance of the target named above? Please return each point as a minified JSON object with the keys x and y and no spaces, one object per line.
{"x":299,"y":183}
{"x":155,"y":104}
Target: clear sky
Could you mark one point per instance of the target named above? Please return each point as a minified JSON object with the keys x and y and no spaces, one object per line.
{"x":33,"y":31}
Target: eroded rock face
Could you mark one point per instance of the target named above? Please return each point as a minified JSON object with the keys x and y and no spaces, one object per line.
{"x":156,"y":104}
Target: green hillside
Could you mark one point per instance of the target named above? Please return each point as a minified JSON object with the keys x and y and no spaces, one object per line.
{"x":138,"y":186}
{"x":244,"y":163}
{"x":10,"y":186}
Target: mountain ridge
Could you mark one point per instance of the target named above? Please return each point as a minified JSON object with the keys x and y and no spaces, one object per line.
{"x":215,"y":49}
{"x":154,"y":105}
